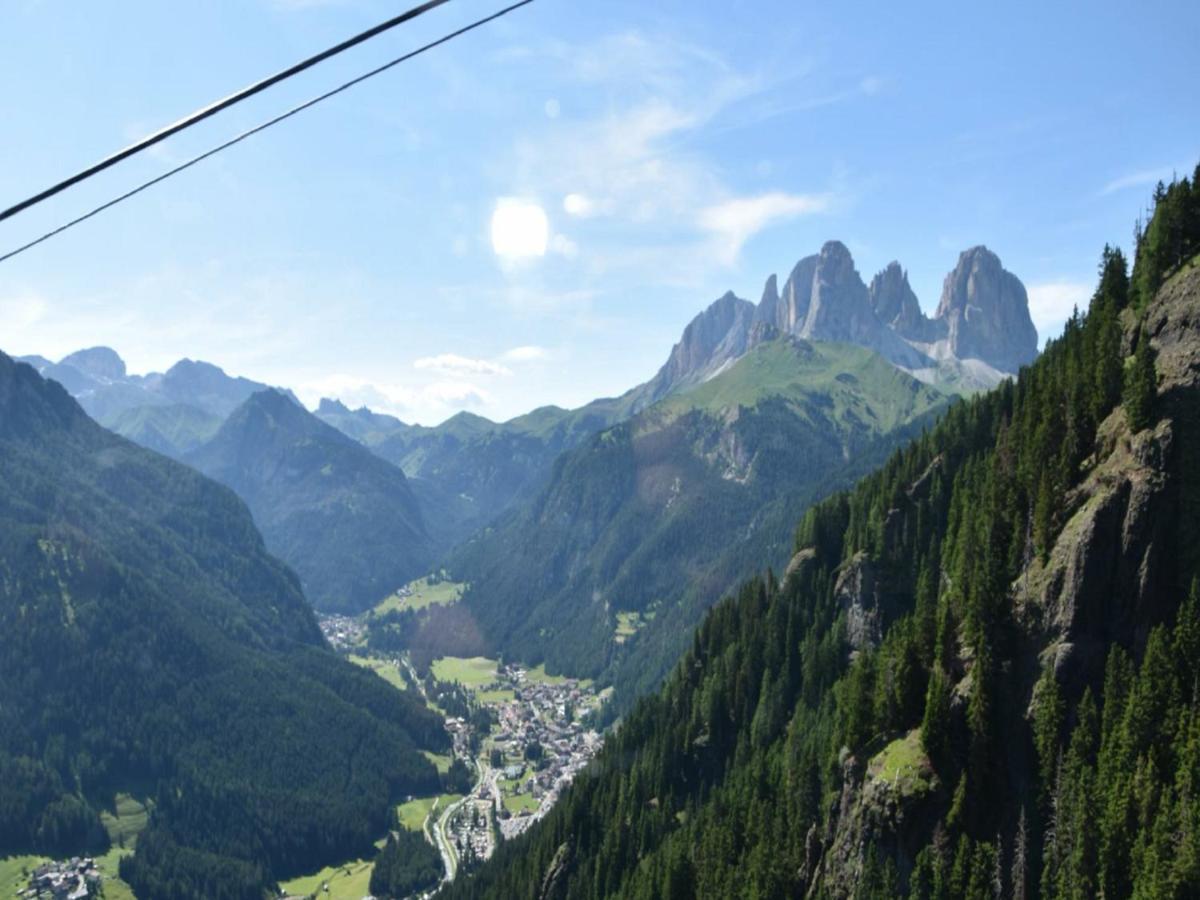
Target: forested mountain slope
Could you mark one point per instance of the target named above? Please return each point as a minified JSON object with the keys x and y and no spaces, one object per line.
{"x":150,"y":645}
{"x":468,"y":470}
{"x":344,"y":519}
{"x":979,"y":674}
{"x":650,"y":521}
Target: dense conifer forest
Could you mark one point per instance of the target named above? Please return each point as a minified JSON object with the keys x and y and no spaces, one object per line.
{"x":978,"y":676}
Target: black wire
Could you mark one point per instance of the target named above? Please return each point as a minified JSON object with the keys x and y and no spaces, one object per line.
{"x":263,"y":127}
{"x":213,"y":108}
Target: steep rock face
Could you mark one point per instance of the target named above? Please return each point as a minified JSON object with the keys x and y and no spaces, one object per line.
{"x":897,"y":306}
{"x":1102,"y":577}
{"x":840,"y":310}
{"x":986,"y":312}
{"x":788,"y":310}
{"x":857,"y":592}
{"x":981,"y":333}
{"x":713,"y":339}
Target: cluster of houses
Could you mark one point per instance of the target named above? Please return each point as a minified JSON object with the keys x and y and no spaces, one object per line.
{"x":548,"y":715}
{"x":473,"y":836}
{"x":73,"y":879}
{"x":342,"y":632}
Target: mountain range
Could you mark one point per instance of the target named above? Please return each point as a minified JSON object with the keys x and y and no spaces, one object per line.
{"x":355,"y":530}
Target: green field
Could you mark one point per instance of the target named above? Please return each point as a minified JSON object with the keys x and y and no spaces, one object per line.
{"x":470,"y":673}
{"x":14,"y":871}
{"x":501,"y":696}
{"x":539,"y":676}
{"x":126,"y":821}
{"x":441,"y":760}
{"x":628,"y":624}
{"x":349,"y":881}
{"x":114,"y":887}
{"x":385,"y":669}
{"x":414,"y":812}
{"x":903,"y":764}
{"x":423,"y":593}
{"x":851,"y":383}
{"x":515,"y":803}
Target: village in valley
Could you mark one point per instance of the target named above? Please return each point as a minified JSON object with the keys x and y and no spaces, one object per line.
{"x":523,"y":734}
{"x":541,"y":740}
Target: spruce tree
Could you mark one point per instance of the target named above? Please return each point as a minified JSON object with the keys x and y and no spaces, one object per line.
{"x":1141,"y":385}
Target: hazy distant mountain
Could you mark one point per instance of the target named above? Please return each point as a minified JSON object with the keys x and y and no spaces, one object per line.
{"x":149,"y":645}
{"x":346,"y":520}
{"x":469,"y":470}
{"x":361,"y":424}
{"x":199,"y":391}
{"x":173,"y":429}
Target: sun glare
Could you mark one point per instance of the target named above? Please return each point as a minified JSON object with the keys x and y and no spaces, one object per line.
{"x":520,"y":229}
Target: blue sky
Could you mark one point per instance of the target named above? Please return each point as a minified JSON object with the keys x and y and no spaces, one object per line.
{"x":677,"y":149}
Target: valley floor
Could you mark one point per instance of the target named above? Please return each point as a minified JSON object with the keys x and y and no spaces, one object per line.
{"x":539,"y":739}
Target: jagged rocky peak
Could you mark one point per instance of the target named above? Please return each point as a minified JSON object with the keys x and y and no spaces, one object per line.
{"x":786,"y":310}
{"x":897,"y":306}
{"x":329,"y":406}
{"x":986,"y":312}
{"x":840,"y":309}
{"x":717,"y":336}
{"x":768,"y":306}
{"x":99,"y":362}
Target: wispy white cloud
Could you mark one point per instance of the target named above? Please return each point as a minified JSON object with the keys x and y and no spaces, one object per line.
{"x":734,"y":222}
{"x":650,"y":201}
{"x":525,"y":354}
{"x":425,"y":403}
{"x":21,"y":312}
{"x":460,"y":366}
{"x":1051,"y":303}
{"x":1140,"y":178}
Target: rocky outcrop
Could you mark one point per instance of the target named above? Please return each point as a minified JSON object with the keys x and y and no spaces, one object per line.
{"x":714,"y":339}
{"x":1100,"y":582}
{"x":857,"y":593}
{"x":985,"y":311}
{"x":840,"y":310}
{"x":788,"y":310}
{"x":1107,"y":575}
{"x":897,"y":306}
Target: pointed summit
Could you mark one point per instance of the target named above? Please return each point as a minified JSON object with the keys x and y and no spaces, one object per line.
{"x":986,"y":312}
{"x":788,"y":312}
{"x":711,"y":341}
{"x":897,"y":306}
